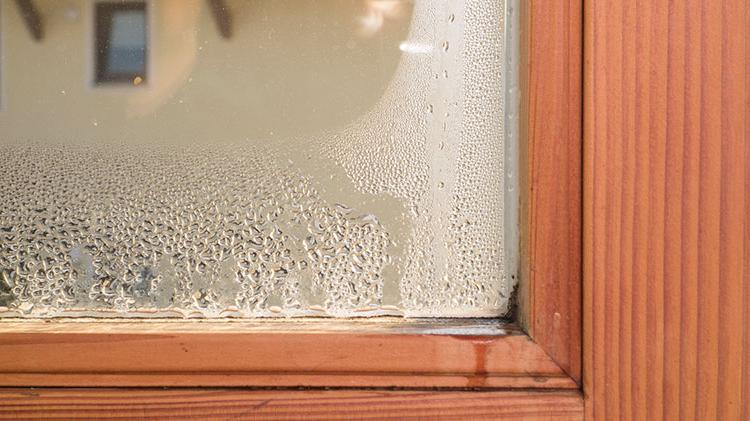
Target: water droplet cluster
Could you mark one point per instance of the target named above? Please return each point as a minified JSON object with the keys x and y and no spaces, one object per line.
{"x":236,"y":230}
{"x":477,"y":208}
{"x":436,"y":141}
{"x":219,"y":230}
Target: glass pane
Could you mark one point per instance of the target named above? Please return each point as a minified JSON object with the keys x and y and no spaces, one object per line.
{"x":127,"y":43}
{"x":286,"y":158}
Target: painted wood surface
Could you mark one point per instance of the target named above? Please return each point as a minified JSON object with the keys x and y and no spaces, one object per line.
{"x":667,"y":211}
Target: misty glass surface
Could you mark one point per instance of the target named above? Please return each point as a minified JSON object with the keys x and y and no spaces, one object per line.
{"x":283,"y":158}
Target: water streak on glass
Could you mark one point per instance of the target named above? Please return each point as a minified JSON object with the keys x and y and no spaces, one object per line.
{"x":269,"y":158}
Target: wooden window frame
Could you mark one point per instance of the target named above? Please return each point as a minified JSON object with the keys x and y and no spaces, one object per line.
{"x":101,"y":34}
{"x":541,"y":350}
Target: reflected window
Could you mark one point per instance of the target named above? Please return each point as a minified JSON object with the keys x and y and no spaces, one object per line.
{"x":121,"y":42}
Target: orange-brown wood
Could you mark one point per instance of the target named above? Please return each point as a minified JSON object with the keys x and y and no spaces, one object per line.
{"x":287,"y":405}
{"x":269,"y":354}
{"x":552,"y":207}
{"x":546,"y":359}
{"x":667,"y":217}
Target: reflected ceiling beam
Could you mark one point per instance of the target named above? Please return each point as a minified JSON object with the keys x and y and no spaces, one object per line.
{"x":31,"y":18}
{"x":222,"y":16}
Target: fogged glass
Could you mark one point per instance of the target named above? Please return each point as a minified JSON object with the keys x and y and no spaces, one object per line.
{"x":276,"y":158}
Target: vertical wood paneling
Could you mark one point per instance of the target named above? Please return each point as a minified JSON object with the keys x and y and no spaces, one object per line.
{"x":745,"y":373}
{"x":552,"y":242}
{"x":674,"y":20}
{"x":666,"y":210}
{"x":733,"y":202}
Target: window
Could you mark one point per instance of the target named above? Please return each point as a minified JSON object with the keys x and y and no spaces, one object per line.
{"x":318,"y":158}
{"x":121,"y":42}
{"x":337,"y":158}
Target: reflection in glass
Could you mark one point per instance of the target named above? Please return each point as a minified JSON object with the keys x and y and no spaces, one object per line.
{"x":285,"y":158}
{"x":120,"y":42}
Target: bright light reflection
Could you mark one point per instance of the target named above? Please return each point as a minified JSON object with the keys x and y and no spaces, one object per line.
{"x":415,"y":48}
{"x":377,"y":12}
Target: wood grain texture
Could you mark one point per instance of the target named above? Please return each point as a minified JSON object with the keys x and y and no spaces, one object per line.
{"x":59,"y":353}
{"x":225,"y":404}
{"x":666,"y":217}
{"x":551,"y":243}
{"x":74,"y":354}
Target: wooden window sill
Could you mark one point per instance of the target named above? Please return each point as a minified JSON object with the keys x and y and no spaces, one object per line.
{"x":285,"y":353}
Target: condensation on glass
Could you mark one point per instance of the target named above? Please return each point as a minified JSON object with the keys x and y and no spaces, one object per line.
{"x":262,"y":158}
